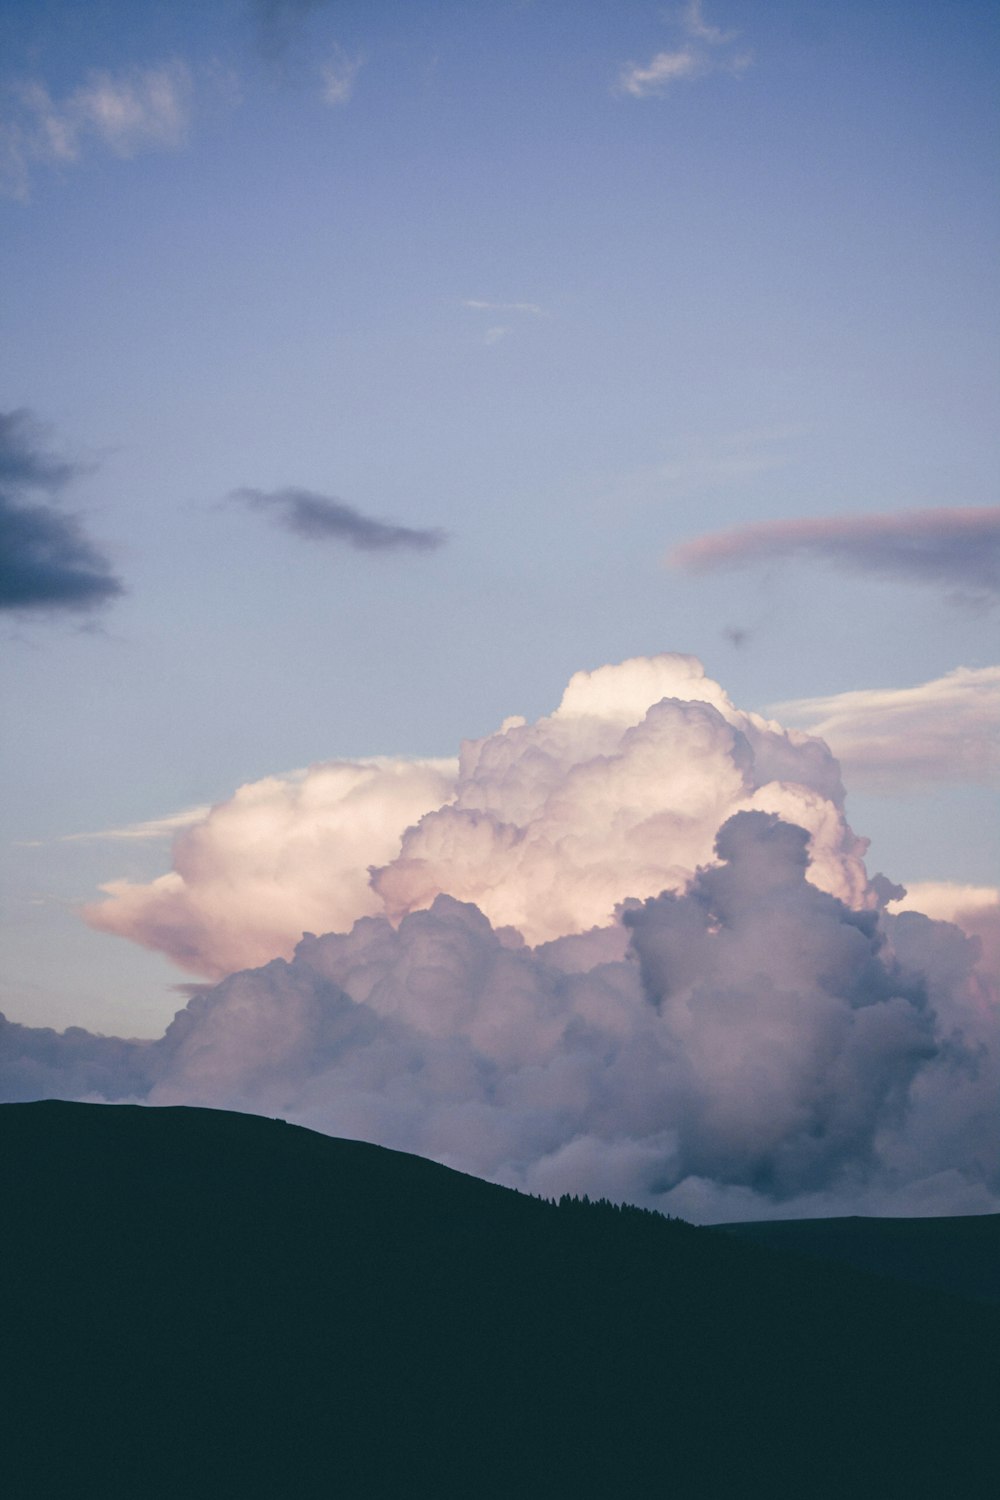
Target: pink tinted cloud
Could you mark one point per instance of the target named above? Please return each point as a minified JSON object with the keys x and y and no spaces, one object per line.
{"x":546,"y":827}
{"x":957,"y":547}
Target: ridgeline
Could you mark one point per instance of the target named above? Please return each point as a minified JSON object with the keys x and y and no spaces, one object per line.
{"x":203,"y":1304}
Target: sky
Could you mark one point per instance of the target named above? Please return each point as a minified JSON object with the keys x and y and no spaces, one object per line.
{"x":368,"y":373}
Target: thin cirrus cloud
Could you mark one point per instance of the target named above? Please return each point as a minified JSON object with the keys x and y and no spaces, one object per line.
{"x":322,"y":518}
{"x":479,"y":304}
{"x":497,"y":331}
{"x":338,"y":74}
{"x":946,"y":730}
{"x":958,"y":548}
{"x":47,"y":562}
{"x":148,"y":829}
{"x":126,"y":113}
{"x":705,"y":49}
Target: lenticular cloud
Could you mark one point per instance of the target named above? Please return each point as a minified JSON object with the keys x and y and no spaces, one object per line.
{"x":546,"y":827}
{"x":630,"y":950}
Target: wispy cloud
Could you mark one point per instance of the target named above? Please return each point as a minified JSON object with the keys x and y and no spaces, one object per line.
{"x":151,"y":828}
{"x":662,"y":69}
{"x":47,"y":562}
{"x":696,"y":26}
{"x":498,"y":331}
{"x":732,"y":458}
{"x":959,"y":548}
{"x":324,"y":518}
{"x":478,"y":304}
{"x":140,"y":109}
{"x":338,"y":74}
{"x":947,"y":730}
{"x":705,"y":49}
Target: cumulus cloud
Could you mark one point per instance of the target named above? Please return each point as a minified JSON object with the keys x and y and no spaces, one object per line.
{"x":282,"y":855}
{"x":139,"y":109}
{"x":618,"y":793}
{"x":630,"y":949}
{"x":944,"y":730}
{"x":39,"y":1063}
{"x":321,"y":518}
{"x":546,"y":827}
{"x":759,"y":1043}
{"x":957,"y":548}
{"x":973,"y":908}
{"x":47,"y":561}
{"x":706,"y":49}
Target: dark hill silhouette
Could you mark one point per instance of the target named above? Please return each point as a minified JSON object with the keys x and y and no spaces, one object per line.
{"x":203,"y":1304}
{"x":959,"y":1255}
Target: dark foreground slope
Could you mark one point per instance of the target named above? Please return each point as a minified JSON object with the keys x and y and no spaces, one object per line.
{"x":959,"y":1255}
{"x":197,"y":1303}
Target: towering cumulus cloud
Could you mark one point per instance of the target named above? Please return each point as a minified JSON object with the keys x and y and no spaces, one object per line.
{"x":629,"y":950}
{"x":547,"y":827}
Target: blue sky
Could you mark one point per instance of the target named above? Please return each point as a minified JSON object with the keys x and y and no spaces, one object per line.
{"x":489,"y":268}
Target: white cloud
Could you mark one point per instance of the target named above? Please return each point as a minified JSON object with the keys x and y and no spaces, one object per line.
{"x":531,"y":308}
{"x":948,"y":900}
{"x":945,"y":730}
{"x":282,"y":855}
{"x":618,"y":793}
{"x":338,"y":74}
{"x":545,"y":826}
{"x":696,"y":58}
{"x":696,"y":25}
{"x":151,"y":828}
{"x":496,"y":332}
{"x":136,"y":110}
{"x":664,"y":68}
{"x":133,"y":112}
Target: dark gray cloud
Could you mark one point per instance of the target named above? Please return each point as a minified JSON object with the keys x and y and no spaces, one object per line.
{"x":47,"y":562}
{"x":23,"y":459}
{"x":39,"y":1063}
{"x":958,"y":548}
{"x":323,"y":518}
{"x":762,"y":1043}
